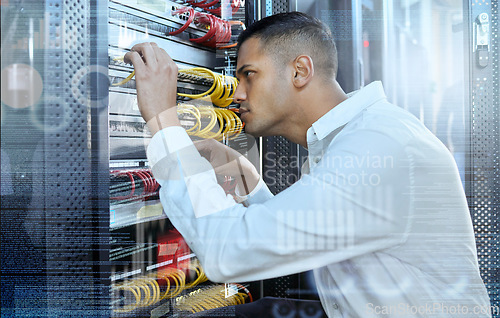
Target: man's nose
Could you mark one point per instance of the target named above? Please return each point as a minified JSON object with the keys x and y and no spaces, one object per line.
{"x":239,"y":95}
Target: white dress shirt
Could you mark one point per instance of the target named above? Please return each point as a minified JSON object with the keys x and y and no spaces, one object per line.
{"x":379,"y":214}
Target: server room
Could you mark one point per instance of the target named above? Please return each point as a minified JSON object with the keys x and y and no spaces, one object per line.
{"x":250,"y":158}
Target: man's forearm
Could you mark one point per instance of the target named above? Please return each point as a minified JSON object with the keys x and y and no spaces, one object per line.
{"x":167,"y":118}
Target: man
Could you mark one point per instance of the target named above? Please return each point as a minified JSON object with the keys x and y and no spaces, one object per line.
{"x":379,"y":213}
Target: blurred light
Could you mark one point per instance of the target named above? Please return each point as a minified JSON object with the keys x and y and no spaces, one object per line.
{"x":366,"y":43}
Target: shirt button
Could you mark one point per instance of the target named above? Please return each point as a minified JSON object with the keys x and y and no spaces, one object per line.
{"x":316,"y":159}
{"x":335,"y":306}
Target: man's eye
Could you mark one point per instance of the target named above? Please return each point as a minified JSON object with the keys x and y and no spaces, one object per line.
{"x":247,"y":73}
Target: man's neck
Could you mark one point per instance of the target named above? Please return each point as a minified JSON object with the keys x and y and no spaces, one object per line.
{"x":312,"y":104}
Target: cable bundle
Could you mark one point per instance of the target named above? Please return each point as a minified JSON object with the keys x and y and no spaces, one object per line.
{"x":183,"y":74}
{"x":219,"y":31}
{"x":230,"y":125}
{"x":221,"y":92}
{"x":210,"y":298}
{"x":215,"y":6}
{"x":145,"y":291}
{"x":119,"y":184}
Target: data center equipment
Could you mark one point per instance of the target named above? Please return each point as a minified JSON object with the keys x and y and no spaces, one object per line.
{"x":83,"y":231}
{"x":153,"y":271}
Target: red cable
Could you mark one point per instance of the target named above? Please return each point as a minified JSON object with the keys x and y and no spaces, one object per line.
{"x":152,"y":182}
{"x":227,"y":33}
{"x":157,"y":185}
{"x":209,"y":34}
{"x":206,"y":5}
{"x":145,"y":181}
{"x":224,"y":32}
{"x":132,"y":181}
{"x":246,"y":290}
{"x":188,"y":22}
{"x":202,"y":18}
{"x":132,"y":191}
{"x":193,"y":3}
{"x":213,"y":26}
{"x":218,"y":32}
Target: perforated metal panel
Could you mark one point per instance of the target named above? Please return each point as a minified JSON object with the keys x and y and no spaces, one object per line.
{"x":271,"y":7}
{"x":73,"y":220}
{"x":280,"y":6}
{"x":484,"y":186}
{"x":281,"y":163}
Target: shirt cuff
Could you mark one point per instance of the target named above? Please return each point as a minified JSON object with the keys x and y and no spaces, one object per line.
{"x":259,"y":194}
{"x":167,"y":141}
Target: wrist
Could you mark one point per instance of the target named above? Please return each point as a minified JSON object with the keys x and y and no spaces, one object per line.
{"x":248,"y":180}
{"x":166,"y":118}
{"x":240,"y":196}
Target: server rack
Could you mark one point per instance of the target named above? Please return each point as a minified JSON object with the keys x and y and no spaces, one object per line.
{"x":147,"y":253}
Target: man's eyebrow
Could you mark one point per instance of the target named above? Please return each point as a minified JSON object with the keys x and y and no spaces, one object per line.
{"x":242,"y":68}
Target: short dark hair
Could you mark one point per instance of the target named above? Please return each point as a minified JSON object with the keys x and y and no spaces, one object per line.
{"x":288,"y":35}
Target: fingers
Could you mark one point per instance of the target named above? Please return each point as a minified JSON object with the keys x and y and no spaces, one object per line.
{"x":151,"y":54}
{"x":153,"y":59}
{"x":136,"y":60}
{"x":166,"y":64}
{"x":147,"y":52}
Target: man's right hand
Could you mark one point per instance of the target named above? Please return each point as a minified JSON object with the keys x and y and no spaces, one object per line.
{"x":229,"y":162}
{"x":156,"y":83}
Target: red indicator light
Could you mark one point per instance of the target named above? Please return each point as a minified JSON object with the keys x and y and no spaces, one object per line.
{"x":366,"y":43}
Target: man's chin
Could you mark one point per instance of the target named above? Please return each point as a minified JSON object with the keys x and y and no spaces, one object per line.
{"x":252,"y":133}
{"x":250,"y":130}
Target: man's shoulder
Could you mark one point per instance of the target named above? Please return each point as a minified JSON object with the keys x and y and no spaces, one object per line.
{"x":393,"y":121}
{"x":383,"y":128}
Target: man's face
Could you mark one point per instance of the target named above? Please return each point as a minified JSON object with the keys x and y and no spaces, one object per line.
{"x":262,"y":91}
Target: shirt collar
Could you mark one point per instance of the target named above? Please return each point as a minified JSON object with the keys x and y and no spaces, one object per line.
{"x":345,"y":111}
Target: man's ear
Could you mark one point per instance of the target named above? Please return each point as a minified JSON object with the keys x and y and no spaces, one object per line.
{"x":303,"y":70}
